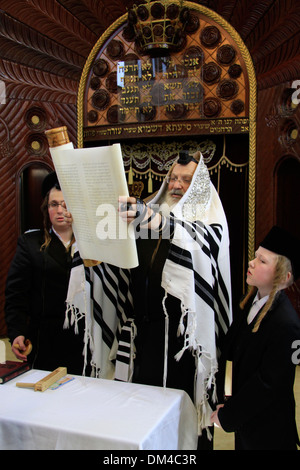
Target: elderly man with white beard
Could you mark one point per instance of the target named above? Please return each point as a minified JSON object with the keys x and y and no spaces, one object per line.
{"x":182,"y":286}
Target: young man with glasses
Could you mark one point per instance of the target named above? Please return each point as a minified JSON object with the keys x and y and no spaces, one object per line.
{"x":36,"y":289}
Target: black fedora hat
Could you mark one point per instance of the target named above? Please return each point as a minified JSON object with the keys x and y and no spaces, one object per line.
{"x":284,"y":243}
{"x":49,"y":182}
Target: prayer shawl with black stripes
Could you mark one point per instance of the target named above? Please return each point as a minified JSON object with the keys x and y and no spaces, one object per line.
{"x":101,"y":297}
{"x":197,"y":271}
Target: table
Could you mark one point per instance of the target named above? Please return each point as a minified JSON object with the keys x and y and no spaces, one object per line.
{"x":89,"y":414}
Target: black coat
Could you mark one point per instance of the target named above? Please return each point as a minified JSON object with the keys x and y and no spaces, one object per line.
{"x":150,"y":321}
{"x":261,"y":410}
{"x":36,"y":292}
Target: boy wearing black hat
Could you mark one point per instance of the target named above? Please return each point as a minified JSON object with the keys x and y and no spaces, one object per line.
{"x":261,"y":410}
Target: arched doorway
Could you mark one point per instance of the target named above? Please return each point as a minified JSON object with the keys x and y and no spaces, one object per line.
{"x":30,"y":183}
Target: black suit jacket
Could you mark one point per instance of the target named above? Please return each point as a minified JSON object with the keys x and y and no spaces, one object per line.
{"x":261,"y":410}
{"x":36,"y":292}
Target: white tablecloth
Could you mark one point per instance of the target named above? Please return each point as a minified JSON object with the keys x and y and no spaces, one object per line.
{"x":89,"y":413}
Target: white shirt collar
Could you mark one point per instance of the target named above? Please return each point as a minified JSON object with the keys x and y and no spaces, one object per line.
{"x":256,"y":306}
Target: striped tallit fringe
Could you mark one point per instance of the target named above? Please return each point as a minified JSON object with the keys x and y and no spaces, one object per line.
{"x":202,"y":266}
{"x":193,"y":273}
{"x":101,"y":295}
{"x":73,"y":313}
{"x":112,"y":305}
{"x":126,"y":352}
{"x":214,"y":293}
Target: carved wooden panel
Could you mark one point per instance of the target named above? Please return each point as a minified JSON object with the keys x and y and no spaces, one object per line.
{"x":278,"y":141}
{"x":202,"y":88}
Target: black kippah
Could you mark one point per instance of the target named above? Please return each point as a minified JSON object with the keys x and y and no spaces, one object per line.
{"x":284,"y":243}
{"x":185,"y":158}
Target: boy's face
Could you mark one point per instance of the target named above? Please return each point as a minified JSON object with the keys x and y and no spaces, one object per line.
{"x":56,"y":214}
{"x":261,"y":270}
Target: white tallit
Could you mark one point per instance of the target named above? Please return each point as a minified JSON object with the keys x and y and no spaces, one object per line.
{"x":197,"y":271}
{"x":100,"y":297}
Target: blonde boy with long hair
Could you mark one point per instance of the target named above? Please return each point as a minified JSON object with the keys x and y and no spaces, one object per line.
{"x":261,"y":344}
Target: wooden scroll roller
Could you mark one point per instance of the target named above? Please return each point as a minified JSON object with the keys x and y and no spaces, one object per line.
{"x":46,"y":382}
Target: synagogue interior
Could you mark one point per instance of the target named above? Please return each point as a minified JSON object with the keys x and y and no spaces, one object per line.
{"x":156,"y":77}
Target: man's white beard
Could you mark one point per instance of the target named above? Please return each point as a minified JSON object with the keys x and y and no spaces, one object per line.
{"x":167,"y":204}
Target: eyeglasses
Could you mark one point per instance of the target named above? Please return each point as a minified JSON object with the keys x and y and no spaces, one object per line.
{"x":55,"y":205}
{"x":175,"y":179}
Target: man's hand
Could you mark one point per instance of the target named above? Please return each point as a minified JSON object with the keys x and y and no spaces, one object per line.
{"x":67,"y":215}
{"x":132,"y":209}
{"x":127,"y":208}
{"x":18,"y":347}
{"x":214,"y":417}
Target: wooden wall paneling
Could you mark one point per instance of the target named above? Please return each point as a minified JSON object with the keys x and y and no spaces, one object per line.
{"x":277,"y":116}
{"x":266,"y":130}
{"x":54,"y":21}
{"x":287,"y":197}
{"x":275,"y":113}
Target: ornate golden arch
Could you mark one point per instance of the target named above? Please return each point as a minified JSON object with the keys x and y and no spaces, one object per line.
{"x":118,"y":24}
